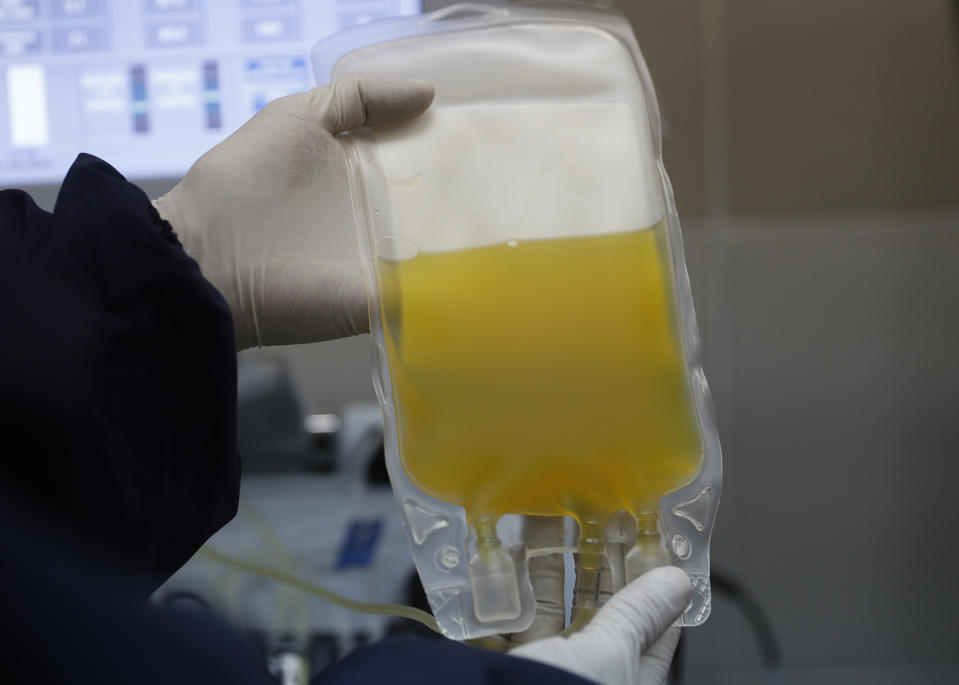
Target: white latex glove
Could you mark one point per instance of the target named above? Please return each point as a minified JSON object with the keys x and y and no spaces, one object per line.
{"x":630,"y":640}
{"x":267,"y":213}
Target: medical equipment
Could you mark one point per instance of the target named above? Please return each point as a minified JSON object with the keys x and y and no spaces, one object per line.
{"x":150,"y":85}
{"x":536,"y":346}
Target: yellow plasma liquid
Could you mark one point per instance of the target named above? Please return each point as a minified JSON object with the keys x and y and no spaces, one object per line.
{"x":543,"y":377}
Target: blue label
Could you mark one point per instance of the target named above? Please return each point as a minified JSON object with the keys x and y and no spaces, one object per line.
{"x":359,"y":543}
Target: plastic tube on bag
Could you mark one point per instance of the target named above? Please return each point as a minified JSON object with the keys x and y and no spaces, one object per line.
{"x":535,"y":342}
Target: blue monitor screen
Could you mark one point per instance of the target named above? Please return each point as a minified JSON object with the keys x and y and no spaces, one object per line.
{"x":149,"y":85}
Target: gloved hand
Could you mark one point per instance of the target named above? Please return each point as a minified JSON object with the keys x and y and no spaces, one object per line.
{"x":268,"y":217}
{"x":630,"y":640}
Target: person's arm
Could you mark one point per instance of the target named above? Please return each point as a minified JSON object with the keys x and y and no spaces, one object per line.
{"x":118,"y":365}
{"x":117,"y":374}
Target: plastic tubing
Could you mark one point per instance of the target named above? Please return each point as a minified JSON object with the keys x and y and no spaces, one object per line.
{"x":288,"y":579}
{"x":288,"y":606}
{"x":589,"y":568}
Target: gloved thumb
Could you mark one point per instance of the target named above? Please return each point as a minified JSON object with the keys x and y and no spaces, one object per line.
{"x":361,"y":100}
{"x":628,"y":640}
{"x":643,"y":610}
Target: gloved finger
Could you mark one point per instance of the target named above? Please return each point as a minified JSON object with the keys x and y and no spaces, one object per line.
{"x":361,"y":100}
{"x":654,"y":664}
{"x":643,"y":610}
{"x":547,"y":574}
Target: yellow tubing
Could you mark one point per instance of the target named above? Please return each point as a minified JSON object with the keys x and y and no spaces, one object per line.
{"x":321,"y":592}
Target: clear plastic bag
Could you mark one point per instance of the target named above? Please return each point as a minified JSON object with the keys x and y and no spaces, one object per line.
{"x":536,"y":351}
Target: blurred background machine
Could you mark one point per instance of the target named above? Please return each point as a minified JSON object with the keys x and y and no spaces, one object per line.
{"x":812,"y":146}
{"x":150,"y":85}
{"x":316,"y":504}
